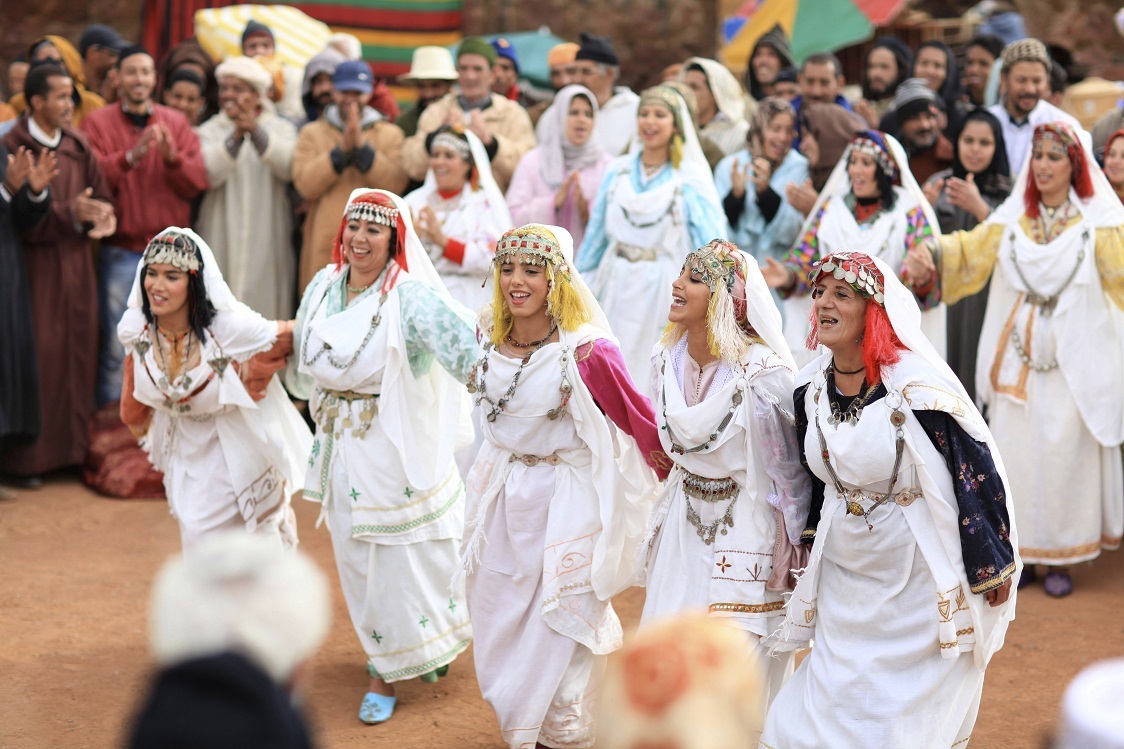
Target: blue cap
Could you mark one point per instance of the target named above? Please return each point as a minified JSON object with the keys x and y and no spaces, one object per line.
{"x":353,"y":75}
{"x":504,"y":48}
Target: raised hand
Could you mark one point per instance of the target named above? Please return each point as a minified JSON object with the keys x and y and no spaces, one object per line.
{"x":477,"y":126}
{"x":19,"y":167}
{"x":802,"y":197}
{"x":739,"y":177}
{"x":45,"y":169}
{"x":776,"y":275}
{"x":965,"y":194}
{"x":762,"y":172}
{"x":165,"y":143}
{"x":932,"y":190}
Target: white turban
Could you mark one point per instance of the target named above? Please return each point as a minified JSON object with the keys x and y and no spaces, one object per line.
{"x":246,"y":69}
{"x":235,"y":592}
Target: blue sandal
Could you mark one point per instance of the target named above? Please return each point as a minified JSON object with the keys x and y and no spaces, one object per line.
{"x":376,"y":708}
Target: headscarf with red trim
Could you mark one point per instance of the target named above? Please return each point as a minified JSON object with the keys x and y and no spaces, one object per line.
{"x":1059,"y":135}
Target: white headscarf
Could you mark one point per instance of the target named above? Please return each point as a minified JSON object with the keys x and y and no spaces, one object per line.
{"x":694,"y":169}
{"x":221,"y":297}
{"x":724,"y":87}
{"x":560,"y":157}
{"x":418,"y":264}
{"x":1103,"y":209}
{"x":763,"y":313}
{"x":839,"y":184}
{"x":487,"y":182}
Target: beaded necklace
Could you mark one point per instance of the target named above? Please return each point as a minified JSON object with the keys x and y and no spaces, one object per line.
{"x":325,"y":348}
{"x":854,"y":410}
{"x":679,"y":449}
{"x":478,"y":385}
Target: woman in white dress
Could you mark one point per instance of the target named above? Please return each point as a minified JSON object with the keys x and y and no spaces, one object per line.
{"x":558,"y":497}
{"x":723,"y":383}
{"x":870,"y":204}
{"x":381,"y":352}
{"x":907,"y":593}
{"x":1050,"y":369}
{"x":232,"y":452}
{"x":459,"y":213}
{"x":654,"y":206}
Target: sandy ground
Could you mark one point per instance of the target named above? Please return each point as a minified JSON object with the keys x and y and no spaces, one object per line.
{"x":76,"y":571}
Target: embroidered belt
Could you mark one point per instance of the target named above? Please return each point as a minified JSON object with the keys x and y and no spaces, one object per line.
{"x":709,"y":490}
{"x":348,"y":395}
{"x":533,"y":460}
{"x":635,"y":253}
{"x":903,"y":498}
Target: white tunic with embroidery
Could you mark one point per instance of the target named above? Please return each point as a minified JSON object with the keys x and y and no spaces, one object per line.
{"x":728,"y":576}
{"x":228,"y":462}
{"x":388,"y":420}
{"x":547,"y":547}
{"x":900,"y":641}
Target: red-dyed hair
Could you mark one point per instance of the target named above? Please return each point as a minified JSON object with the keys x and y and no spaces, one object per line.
{"x":1081,"y":179}
{"x":881,"y":345}
{"x":377,"y":198}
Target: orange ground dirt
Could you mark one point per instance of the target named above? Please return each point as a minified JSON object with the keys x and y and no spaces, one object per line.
{"x":77,"y":569}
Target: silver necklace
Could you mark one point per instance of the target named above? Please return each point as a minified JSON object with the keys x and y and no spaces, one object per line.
{"x":679,"y":449}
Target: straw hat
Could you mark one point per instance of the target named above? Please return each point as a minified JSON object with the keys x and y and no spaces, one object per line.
{"x":430,"y":64}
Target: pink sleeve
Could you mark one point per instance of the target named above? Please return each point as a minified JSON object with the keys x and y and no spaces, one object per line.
{"x":603,"y":371}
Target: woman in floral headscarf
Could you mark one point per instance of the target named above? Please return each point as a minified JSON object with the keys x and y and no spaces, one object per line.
{"x":723,"y":381}
{"x":871,"y":204}
{"x":558,"y":497}
{"x":655,"y":205}
{"x":908,"y":591}
{"x":1050,"y":369}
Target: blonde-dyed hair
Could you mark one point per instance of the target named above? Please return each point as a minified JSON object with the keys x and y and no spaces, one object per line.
{"x":563,"y":303}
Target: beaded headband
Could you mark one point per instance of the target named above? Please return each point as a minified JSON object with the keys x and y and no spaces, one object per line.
{"x":453,"y":143}
{"x":366,"y":211}
{"x":1050,"y":134}
{"x":869,"y":147}
{"x":532,"y":244}
{"x":172,"y":249}
{"x":857,"y":270}
{"x":713,"y":262}
{"x":667,"y":98}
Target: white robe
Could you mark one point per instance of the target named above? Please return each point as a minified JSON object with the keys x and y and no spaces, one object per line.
{"x":901,"y":643}
{"x":726,"y":578}
{"x":467,"y":217}
{"x":1059,"y":430}
{"x":390,"y":491}
{"x":547,"y":547}
{"x":228,"y":462}
{"x":246,"y":217}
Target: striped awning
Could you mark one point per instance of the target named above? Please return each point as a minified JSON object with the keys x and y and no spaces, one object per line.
{"x":297,"y":35}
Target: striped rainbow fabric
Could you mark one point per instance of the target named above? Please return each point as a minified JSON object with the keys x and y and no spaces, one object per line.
{"x":390,"y":30}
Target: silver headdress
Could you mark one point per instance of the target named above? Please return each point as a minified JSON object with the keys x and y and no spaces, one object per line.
{"x":170,"y":248}
{"x":381,"y":214}
{"x":453,"y":143}
{"x":532,"y":244}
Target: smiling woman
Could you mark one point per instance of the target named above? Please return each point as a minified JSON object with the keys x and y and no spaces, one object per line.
{"x":910,"y":507}
{"x":558,"y":495}
{"x":210,"y":415}
{"x":1051,"y":360}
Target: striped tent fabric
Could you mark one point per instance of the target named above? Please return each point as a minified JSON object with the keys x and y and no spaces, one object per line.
{"x":390,"y":30}
{"x":297,"y":36}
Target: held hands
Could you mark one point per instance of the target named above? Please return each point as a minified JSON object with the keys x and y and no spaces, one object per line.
{"x":86,"y":209}
{"x":776,"y":275}
{"x":919,"y":265}
{"x":801,"y":197}
{"x":998,"y":596}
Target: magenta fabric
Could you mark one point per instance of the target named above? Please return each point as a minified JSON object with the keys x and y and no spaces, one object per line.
{"x":604,"y":372}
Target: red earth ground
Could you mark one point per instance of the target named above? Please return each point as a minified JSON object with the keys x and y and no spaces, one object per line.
{"x":77,"y":569}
